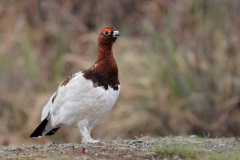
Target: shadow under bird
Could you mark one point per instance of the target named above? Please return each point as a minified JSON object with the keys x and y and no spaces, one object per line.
{"x":86,"y":96}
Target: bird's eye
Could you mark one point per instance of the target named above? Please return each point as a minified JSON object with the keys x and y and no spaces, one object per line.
{"x":106,"y":33}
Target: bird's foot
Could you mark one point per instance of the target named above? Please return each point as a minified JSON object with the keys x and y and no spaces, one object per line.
{"x":90,"y":141}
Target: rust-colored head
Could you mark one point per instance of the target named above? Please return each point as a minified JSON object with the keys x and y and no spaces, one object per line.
{"x":108,"y":35}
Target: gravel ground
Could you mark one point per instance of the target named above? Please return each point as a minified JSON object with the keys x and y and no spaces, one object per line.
{"x":141,"y":148}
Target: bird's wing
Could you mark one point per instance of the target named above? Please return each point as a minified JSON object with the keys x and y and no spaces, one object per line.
{"x":52,"y":108}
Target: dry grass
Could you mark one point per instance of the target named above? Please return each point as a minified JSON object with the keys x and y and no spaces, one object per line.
{"x":178,"y":63}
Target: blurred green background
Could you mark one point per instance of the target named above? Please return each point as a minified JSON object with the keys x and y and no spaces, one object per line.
{"x":178,"y":64}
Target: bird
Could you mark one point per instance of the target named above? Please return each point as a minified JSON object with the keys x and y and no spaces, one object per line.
{"x":86,"y":96}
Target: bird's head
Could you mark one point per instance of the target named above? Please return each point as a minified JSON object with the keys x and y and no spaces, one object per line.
{"x":108,"y":35}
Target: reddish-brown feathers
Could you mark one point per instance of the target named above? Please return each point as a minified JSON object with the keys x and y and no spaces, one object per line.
{"x":104,"y":72}
{"x":67,"y":80}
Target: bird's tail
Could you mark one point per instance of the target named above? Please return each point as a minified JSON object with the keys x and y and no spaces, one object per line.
{"x":44,"y":129}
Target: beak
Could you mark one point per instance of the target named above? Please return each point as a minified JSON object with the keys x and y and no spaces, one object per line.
{"x":116,"y":33}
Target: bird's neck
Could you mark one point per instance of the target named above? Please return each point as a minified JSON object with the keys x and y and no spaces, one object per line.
{"x":104,"y":53}
{"x":104,"y":73}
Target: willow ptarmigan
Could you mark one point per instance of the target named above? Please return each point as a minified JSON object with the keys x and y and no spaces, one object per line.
{"x":84,"y":97}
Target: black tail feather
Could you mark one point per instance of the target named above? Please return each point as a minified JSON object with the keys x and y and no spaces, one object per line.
{"x":39,"y":130}
{"x":52,"y":131}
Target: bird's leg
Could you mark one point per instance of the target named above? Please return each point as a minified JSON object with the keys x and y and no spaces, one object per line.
{"x":85,"y":131}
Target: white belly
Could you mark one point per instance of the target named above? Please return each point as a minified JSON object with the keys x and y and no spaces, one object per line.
{"x":91,"y":105}
{"x":78,"y":101}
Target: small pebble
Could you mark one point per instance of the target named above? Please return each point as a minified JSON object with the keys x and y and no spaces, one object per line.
{"x":134,"y":147}
{"x":127,"y":156}
{"x":83,"y":150}
{"x":14,"y":148}
{"x":177,"y":158}
{"x":193,"y":136}
{"x":76,"y":147}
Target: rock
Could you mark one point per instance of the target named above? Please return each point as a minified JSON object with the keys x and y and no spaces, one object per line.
{"x":193,"y":136}
{"x":177,"y":158}
{"x":14,"y":148}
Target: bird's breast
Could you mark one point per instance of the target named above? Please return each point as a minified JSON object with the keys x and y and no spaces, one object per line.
{"x":87,"y":102}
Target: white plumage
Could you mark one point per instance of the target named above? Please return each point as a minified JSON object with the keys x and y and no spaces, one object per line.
{"x":79,"y":104}
{"x":84,"y":97}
